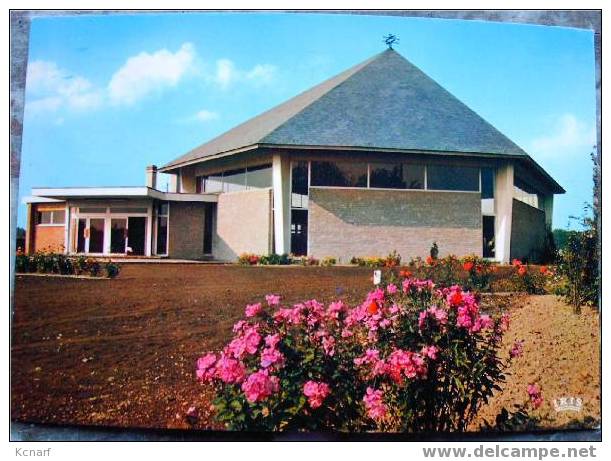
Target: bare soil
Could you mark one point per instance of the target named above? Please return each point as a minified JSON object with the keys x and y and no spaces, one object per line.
{"x":122,"y":352}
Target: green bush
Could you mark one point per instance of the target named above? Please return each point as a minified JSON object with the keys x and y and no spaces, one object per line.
{"x":578,"y":263}
{"x":112,"y":269}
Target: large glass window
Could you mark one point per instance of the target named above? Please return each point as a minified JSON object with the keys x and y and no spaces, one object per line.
{"x":339,"y":174}
{"x":162,"y":229}
{"x":488,"y":236}
{"x":487,"y":183}
{"x":299,"y":185}
{"x":234,"y":180}
{"x":396,"y":176}
{"x":213,"y":183}
{"x":259,"y":176}
{"x":448,"y":177}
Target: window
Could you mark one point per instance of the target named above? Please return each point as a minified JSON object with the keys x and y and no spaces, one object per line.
{"x":51,"y":217}
{"x":488,"y":236}
{"x":339,"y":174}
{"x":162,"y":228}
{"x":259,"y":177}
{"x":396,"y":176}
{"x":96,"y":235}
{"x":487,"y":183}
{"x":234,"y":180}
{"x":213,"y":183}
{"x":448,"y":177}
{"x":84,"y":210}
{"x":299,"y":185}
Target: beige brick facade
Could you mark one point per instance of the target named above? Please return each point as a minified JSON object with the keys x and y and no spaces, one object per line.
{"x":243,"y":224}
{"x":349,"y":222}
{"x":186,"y":230}
{"x":527,"y":231}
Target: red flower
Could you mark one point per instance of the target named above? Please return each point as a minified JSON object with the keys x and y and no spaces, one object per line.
{"x":522,"y":271}
{"x":456,"y":298}
{"x":468,"y":265}
{"x":405,"y":273}
{"x":516,"y":262}
{"x":430,"y":260}
{"x":543,"y":270}
{"x":372,"y":308}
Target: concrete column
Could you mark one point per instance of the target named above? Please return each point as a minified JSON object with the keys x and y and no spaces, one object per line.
{"x":149,"y":230}
{"x":281,"y":173}
{"x":67,"y":221}
{"x":29,"y":230}
{"x":503,"y":204}
{"x":151,"y":176}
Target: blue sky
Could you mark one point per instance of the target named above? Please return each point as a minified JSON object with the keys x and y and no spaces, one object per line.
{"x":107,"y":95}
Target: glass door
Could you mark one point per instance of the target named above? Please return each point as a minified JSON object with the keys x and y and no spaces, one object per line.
{"x":81,"y":239}
{"x":96,"y":235}
{"x":118,"y":235}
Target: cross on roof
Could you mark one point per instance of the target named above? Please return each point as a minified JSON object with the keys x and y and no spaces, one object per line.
{"x":391,"y":39}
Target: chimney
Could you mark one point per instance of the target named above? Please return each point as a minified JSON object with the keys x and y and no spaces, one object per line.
{"x":151,"y":176}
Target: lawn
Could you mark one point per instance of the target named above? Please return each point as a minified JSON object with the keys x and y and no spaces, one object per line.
{"x":122,"y":352}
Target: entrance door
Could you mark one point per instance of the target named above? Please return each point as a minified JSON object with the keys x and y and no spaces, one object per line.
{"x":96,"y":235}
{"x":118,"y":235}
{"x":299,"y":232}
{"x":136,"y":231}
{"x":208,"y":228}
{"x":488,"y":236}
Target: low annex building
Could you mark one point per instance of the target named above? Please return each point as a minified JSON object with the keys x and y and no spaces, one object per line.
{"x":375,"y":159}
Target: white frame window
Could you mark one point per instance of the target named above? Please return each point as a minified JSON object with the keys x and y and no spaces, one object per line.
{"x":52,"y":221}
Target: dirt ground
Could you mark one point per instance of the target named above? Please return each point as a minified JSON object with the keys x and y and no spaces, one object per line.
{"x":122,"y":352}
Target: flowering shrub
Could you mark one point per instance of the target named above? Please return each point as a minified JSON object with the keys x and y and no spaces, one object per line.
{"x":531,"y":280}
{"x":391,"y":260}
{"x":248,"y":259}
{"x":45,"y":262}
{"x":328,"y":261}
{"x":478,"y":271}
{"x":411,"y":357}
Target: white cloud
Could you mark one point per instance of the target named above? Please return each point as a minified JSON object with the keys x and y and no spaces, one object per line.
{"x":227,"y":73}
{"x":147,"y":73}
{"x":51,"y":88}
{"x":566,"y":133}
{"x":205,"y":116}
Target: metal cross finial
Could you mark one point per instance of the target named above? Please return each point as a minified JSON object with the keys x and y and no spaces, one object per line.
{"x":390,"y":40}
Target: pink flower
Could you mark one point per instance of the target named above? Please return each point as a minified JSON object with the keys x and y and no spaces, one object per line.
{"x":272,"y":340}
{"x":402,"y":363}
{"x":391,"y":288}
{"x":253,"y":309}
{"x":517,"y":349}
{"x":430,"y":352}
{"x":328,"y":344}
{"x":271,"y":356}
{"x":534,"y":392}
{"x":238,"y":326}
{"x":247,"y":342}
{"x":272,"y":300}
{"x":316,"y":392}
{"x":334,"y":310}
{"x":205,"y":370}
{"x":230,"y":370}
{"x":505,"y":320}
{"x":376,"y":366}
{"x":259,"y":386}
{"x":374,"y":403}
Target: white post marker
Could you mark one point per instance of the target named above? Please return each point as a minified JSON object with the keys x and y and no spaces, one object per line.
{"x":377,"y":277}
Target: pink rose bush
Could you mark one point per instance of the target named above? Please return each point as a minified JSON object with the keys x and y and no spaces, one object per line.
{"x":411,"y":357}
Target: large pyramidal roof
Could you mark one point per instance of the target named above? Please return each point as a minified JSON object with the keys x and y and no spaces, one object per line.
{"x":384,"y":103}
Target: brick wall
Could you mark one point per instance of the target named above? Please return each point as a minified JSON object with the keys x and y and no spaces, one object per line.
{"x":186,"y":230}
{"x":527,"y":231}
{"x":348,"y":222}
{"x":44,"y":237}
{"x":243,"y":224}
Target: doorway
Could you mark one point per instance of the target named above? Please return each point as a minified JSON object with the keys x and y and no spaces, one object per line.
{"x":299,"y":232}
{"x":136,"y":231}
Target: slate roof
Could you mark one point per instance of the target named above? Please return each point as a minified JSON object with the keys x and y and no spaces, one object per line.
{"x":384,"y":103}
